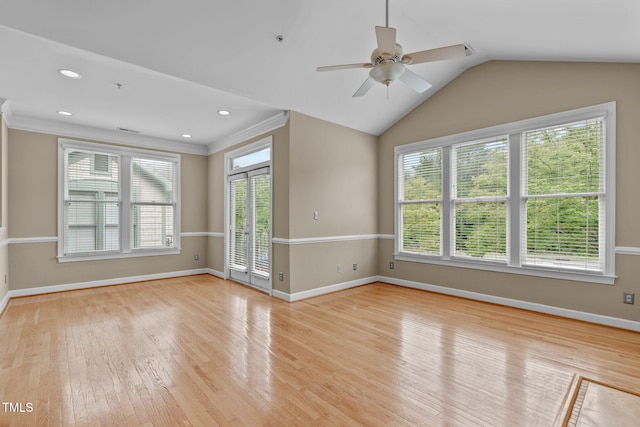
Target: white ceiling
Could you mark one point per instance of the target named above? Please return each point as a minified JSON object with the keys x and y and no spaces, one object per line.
{"x":180,"y":62}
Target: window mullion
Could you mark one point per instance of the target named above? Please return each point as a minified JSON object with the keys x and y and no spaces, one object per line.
{"x":125,"y":204}
{"x":515,"y":218}
{"x":447,"y":206}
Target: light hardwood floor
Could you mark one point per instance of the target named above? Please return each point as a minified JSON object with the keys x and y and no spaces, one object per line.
{"x":202,"y":351}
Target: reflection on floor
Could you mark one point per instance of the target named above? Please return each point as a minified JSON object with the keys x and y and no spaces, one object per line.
{"x":598,"y":404}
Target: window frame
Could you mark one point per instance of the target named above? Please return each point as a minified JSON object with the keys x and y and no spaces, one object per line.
{"x":125,"y":155}
{"x":515,"y":199}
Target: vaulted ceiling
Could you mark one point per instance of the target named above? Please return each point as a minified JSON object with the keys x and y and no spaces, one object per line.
{"x":164,"y":68}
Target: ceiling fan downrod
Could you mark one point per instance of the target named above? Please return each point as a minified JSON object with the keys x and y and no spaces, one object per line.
{"x":387,"y":14}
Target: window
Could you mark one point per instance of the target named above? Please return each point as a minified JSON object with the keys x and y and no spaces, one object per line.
{"x":479,"y":199}
{"x":251,"y":159}
{"x":116,"y":202}
{"x":533,"y":197}
{"x":421,"y":201}
{"x":152,"y":203}
{"x":100,"y":163}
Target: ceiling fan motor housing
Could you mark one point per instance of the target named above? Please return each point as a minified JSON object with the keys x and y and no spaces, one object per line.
{"x":387,"y":67}
{"x":378,"y":57}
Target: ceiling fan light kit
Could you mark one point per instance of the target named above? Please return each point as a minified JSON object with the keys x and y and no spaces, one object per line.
{"x":388,"y":63}
{"x":387,"y":72}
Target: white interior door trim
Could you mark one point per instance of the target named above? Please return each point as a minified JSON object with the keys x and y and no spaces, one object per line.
{"x":252,"y":169}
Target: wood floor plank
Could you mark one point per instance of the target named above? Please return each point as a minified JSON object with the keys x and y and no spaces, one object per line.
{"x":202,"y":351}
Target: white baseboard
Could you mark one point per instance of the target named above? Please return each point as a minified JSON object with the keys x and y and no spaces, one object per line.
{"x":541,"y":308}
{"x":106,"y":282}
{"x":323,"y":290}
{"x":216,"y":273}
{"x":4,"y":302}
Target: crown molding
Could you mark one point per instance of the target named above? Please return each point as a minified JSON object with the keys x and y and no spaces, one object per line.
{"x":268,"y":125}
{"x":5,"y":110}
{"x":69,"y":130}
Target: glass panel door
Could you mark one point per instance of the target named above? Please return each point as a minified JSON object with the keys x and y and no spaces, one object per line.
{"x":238,"y":235}
{"x":250,"y":228}
{"x":261,"y":227}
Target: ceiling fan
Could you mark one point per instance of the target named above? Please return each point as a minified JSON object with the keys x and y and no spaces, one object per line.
{"x":388,"y":63}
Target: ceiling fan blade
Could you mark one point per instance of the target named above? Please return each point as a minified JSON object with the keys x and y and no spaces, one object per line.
{"x":414,"y":81}
{"x":449,"y":52}
{"x":386,"y":37}
{"x":344,"y":67}
{"x":368,"y":84}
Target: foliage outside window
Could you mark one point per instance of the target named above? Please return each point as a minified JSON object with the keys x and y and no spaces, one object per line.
{"x":421,"y":201}
{"x":116,"y":202}
{"x":479,"y":196}
{"x":535,"y":196}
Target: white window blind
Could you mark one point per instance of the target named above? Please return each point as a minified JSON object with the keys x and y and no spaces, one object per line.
{"x":238,"y":223}
{"x":152,"y":198}
{"x":261,"y":194}
{"x":479,"y":196}
{"x":420,"y":201}
{"x":116,"y":201}
{"x":533,"y":197}
{"x":563,"y":189}
{"x":91,"y":203}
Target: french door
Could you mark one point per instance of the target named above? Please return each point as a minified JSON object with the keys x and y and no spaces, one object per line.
{"x":250,"y":228}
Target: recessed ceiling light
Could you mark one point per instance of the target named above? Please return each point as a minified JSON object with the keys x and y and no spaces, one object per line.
{"x":186,"y":135}
{"x":64,"y":113}
{"x":224,"y":112}
{"x":70,"y":73}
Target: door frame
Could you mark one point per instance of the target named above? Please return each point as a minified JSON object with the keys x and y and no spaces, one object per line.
{"x":229,"y":172}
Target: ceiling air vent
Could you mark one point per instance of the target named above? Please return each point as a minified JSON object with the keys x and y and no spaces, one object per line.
{"x":128,"y":130}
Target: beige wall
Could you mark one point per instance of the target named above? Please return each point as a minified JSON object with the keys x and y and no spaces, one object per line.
{"x":332,"y":170}
{"x":315,"y":265}
{"x":4,"y":173}
{"x":4,"y":201}
{"x":316,"y":166}
{"x":193,"y":193}
{"x":501,"y":92}
{"x":33,"y":206}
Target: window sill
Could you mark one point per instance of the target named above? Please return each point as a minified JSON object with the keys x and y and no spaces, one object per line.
{"x":503,"y":268}
{"x":119,"y":255}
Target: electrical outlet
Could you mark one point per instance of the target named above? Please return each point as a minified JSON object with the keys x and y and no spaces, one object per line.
{"x":339,"y":269}
{"x":355,"y":267}
{"x":281,"y":276}
{"x":392,"y":265}
{"x":196,"y":257}
{"x":628,"y":297}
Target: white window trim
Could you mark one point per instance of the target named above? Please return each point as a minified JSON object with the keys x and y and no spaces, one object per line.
{"x":255,"y":146}
{"x":515,"y":131}
{"x":125,"y":153}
